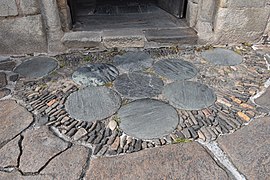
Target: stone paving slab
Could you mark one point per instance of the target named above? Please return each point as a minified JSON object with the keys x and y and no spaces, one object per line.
{"x":180,"y":161}
{"x":13,"y":119}
{"x":249,"y":149}
{"x":38,"y":147}
{"x":7,"y":66}
{"x":3,"y":79}
{"x":263,"y":100}
{"x":9,"y":153}
{"x":18,"y":176}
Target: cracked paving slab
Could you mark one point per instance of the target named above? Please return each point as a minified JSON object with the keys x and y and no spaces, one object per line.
{"x":38,"y":148}
{"x":180,"y":161}
{"x":18,"y":176}
{"x":14,"y":119}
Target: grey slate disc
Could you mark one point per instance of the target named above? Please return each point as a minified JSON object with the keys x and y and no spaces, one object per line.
{"x":93,"y":103}
{"x":133,"y":61}
{"x":175,"y":69}
{"x":189,"y":95}
{"x":138,"y":85}
{"x":224,"y":57}
{"x":36,"y":67}
{"x":148,"y":119}
{"x":95,"y":74}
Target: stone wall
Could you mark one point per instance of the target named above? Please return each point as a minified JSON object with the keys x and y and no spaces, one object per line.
{"x":229,"y":21}
{"x":21,"y":27}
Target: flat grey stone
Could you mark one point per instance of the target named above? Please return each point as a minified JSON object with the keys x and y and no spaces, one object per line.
{"x":7,"y":66}
{"x":263,"y":100}
{"x":249,"y":149}
{"x":224,"y":57}
{"x":189,"y":95}
{"x":148,"y":119}
{"x":138,"y":85}
{"x":13,"y":118}
{"x":93,"y":103}
{"x":4,"y":58}
{"x":133,"y":61}
{"x":179,"y":161}
{"x":175,"y":69}
{"x":36,"y":67}
{"x":3,"y":79}
{"x":95,"y":74}
{"x":4,"y":92}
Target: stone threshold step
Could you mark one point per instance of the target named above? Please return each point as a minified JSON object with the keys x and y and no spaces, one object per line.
{"x":129,"y":38}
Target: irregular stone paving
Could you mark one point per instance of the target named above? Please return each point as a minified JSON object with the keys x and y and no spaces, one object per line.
{"x":95,"y":74}
{"x":175,"y":69}
{"x":7,"y":66}
{"x":14,"y":119}
{"x":46,"y":99}
{"x":181,"y":161}
{"x":220,"y":56}
{"x":133,"y":61}
{"x":93,"y":103}
{"x":249,"y":149}
{"x":138,"y":85}
{"x":188,"y":95}
{"x":138,"y":116}
{"x":36,"y":67}
{"x":41,"y":145}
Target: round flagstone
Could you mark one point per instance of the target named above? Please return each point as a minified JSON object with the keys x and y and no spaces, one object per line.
{"x":95,"y":74}
{"x":175,"y":69}
{"x":224,"y":57}
{"x":148,"y":119}
{"x":93,"y":103}
{"x":36,"y":67}
{"x":189,"y":95}
{"x":133,"y":61}
{"x":138,"y":85}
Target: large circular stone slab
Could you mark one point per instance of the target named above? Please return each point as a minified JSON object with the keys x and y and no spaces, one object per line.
{"x":189,"y":95}
{"x":133,"y":61}
{"x":36,"y":67}
{"x":224,"y":57}
{"x":175,"y":69}
{"x":93,"y":103}
{"x":95,"y":74}
{"x":138,"y":85}
{"x":148,"y":119}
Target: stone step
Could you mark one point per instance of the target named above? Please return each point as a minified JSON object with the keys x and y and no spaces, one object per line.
{"x":179,"y":35}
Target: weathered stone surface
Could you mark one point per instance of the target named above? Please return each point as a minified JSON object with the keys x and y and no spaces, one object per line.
{"x":222,"y":57}
{"x":263,"y":100}
{"x":13,"y":119}
{"x":9,"y":153}
{"x":4,"y":58}
{"x":189,"y":95}
{"x":3,"y":79}
{"x":133,"y":61}
{"x":82,"y":39}
{"x":246,"y":4}
{"x":4,"y":92}
{"x":181,"y":161}
{"x":69,"y":164}
{"x":29,"y":7}
{"x":38,"y":147}
{"x":148,"y":119}
{"x":8,"y":8}
{"x":7,"y":66}
{"x":28,"y":40}
{"x":95,"y":74}
{"x":123,"y":38}
{"x":175,"y":69}
{"x":138,"y":85}
{"x":93,"y":103}
{"x":36,"y":67}
{"x":248,"y":148}
{"x":17,"y":175}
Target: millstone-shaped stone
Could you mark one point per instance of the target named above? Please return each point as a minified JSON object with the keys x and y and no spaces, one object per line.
{"x":224,"y":57}
{"x":147,"y":119}
{"x":138,"y":85}
{"x":95,"y":74}
{"x":93,"y":103}
{"x":133,"y":61}
{"x":189,"y":95}
{"x":36,"y":67}
{"x":175,"y":69}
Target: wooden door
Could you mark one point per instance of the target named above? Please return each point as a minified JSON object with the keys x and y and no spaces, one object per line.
{"x":174,"y":7}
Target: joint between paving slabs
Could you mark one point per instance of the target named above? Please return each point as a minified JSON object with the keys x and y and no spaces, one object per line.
{"x":86,"y":165}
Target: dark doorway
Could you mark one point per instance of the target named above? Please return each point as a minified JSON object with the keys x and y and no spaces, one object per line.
{"x":88,"y":15}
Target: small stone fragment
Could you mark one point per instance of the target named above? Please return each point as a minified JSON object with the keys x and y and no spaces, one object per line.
{"x":115,"y":144}
{"x":112,"y":125}
{"x":243,"y":116}
{"x":246,"y":106}
{"x":79,"y":134}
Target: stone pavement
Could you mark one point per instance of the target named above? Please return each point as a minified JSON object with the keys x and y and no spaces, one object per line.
{"x":152,"y":114}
